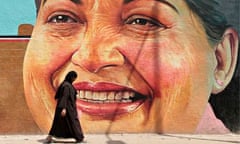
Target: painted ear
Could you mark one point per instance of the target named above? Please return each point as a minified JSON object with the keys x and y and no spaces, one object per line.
{"x":226,"y":53}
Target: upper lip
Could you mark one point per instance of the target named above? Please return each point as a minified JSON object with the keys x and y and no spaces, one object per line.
{"x":100,"y":86}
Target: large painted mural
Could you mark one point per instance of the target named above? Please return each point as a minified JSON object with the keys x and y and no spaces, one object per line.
{"x":159,"y":66}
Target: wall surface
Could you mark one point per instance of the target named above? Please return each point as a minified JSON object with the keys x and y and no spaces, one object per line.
{"x":16,"y":115}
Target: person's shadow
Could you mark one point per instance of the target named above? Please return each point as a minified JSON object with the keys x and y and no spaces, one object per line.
{"x":110,"y":141}
{"x":60,"y":141}
{"x":115,"y":142}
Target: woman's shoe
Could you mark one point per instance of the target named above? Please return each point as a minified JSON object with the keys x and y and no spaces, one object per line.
{"x":49,"y":139}
{"x":79,"y":141}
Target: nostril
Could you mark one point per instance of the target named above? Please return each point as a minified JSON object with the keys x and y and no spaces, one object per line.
{"x":84,"y":61}
{"x":95,"y":60}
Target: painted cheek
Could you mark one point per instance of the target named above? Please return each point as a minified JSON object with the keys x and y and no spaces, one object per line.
{"x":159,"y":65}
{"x":56,"y":55}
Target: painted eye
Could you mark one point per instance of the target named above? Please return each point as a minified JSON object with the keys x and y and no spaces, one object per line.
{"x":62,"y":19}
{"x":144,"y":22}
{"x":140,"y":21}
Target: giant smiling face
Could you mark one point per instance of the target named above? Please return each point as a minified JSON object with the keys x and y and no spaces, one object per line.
{"x":143,"y":66}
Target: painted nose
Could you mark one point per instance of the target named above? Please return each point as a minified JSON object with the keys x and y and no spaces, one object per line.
{"x":95,"y":56}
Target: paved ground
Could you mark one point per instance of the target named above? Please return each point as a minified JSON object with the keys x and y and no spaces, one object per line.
{"x":129,"y":139}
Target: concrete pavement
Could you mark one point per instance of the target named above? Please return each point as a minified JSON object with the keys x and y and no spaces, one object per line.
{"x":129,"y":139}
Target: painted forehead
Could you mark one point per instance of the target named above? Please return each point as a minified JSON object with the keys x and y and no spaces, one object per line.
{"x":38,"y":3}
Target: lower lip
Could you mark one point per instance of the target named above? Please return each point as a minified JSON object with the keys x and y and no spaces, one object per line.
{"x":107,"y":109}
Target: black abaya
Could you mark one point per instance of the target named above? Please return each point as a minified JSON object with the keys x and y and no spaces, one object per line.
{"x":69,"y":125}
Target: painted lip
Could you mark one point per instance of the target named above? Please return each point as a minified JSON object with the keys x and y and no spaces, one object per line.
{"x":107,"y":99}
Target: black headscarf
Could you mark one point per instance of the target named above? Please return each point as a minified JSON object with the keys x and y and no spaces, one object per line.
{"x":71,"y":76}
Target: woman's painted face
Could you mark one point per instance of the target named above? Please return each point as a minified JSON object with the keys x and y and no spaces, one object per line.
{"x":143,"y":65}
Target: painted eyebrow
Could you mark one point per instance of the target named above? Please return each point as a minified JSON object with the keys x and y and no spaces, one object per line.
{"x":161,"y":1}
{"x":74,"y":1}
{"x":128,"y":1}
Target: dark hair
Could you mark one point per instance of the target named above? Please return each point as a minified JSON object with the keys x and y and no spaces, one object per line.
{"x":37,"y":4}
{"x":214,"y":21}
{"x":71,"y":76}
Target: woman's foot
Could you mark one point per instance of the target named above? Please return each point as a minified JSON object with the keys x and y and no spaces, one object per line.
{"x":49,"y":139}
{"x":80,"y":141}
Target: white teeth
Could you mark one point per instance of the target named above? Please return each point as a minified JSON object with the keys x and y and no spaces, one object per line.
{"x":103,"y":96}
{"x":126,"y":101}
{"x":81,"y":94}
{"x":95,"y":96}
{"x":88,"y":95}
{"x":111,"y":95}
{"x":118,"y":96}
{"x":106,"y":97}
{"x":126,"y":95}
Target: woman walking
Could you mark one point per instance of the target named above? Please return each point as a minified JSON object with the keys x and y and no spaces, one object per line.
{"x":66,"y":123}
